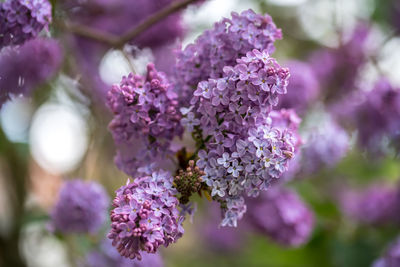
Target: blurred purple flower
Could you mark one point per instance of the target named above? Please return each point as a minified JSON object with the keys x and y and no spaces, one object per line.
{"x":379,"y":116}
{"x":391,"y":258}
{"x":337,"y":69}
{"x":108,"y":256}
{"x":280,"y":214}
{"x":25,"y":67}
{"x":375,"y":205}
{"x":303,"y":88}
{"x":81,"y":207}
{"x":327,"y":144}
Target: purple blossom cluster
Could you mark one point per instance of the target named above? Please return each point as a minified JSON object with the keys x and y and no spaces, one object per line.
{"x":280,"y":214}
{"x":221,"y":46}
{"x":337,"y":69}
{"x":326,"y":144}
{"x":391,"y":257}
{"x":379,"y":116}
{"x":145,"y":215}
{"x":145,"y":110}
{"x":243,"y":151}
{"x":303,"y":87}
{"x":107,"y":256}
{"x":375,"y":205}
{"x":25,"y":67}
{"x":21,"y":20}
{"x":81,"y":207}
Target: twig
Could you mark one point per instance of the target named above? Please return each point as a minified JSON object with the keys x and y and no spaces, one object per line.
{"x":119,"y":41}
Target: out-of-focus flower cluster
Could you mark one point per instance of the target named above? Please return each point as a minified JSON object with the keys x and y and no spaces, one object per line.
{"x":81,"y":207}
{"x":376,"y":205}
{"x":391,"y":257}
{"x":229,"y":40}
{"x":25,"y":67}
{"x":146,"y":113}
{"x":243,"y":151}
{"x":107,"y":256}
{"x":21,"y":20}
{"x":280,"y":214}
{"x":145,"y":215}
{"x":379,"y":116}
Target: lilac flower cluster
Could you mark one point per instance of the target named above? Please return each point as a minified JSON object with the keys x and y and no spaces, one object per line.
{"x":242,"y":151}
{"x":375,"y":205}
{"x":280,"y":214}
{"x":81,"y":207}
{"x":221,"y":46}
{"x":337,"y":69}
{"x":379,"y":116}
{"x":326,"y":144}
{"x":303,"y":87}
{"x":107,"y":256}
{"x":391,"y":258}
{"x":145,"y":109}
{"x":21,"y":20}
{"x":25,"y":67}
{"x":145,"y":215}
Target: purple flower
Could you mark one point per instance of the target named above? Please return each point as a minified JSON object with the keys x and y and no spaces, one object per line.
{"x":280,"y":214}
{"x":157,"y":221}
{"x":379,"y":116}
{"x":81,"y":207}
{"x":337,"y":69}
{"x":220,"y":47}
{"x":251,"y":144}
{"x":23,"y":68}
{"x":22,"y":20}
{"x":376,"y":205}
{"x":326,"y":144}
{"x":145,"y":109}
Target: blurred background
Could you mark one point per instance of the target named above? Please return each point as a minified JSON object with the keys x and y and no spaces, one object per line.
{"x":345,"y":175}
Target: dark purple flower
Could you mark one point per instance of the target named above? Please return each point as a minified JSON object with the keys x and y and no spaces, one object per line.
{"x":81,"y":207}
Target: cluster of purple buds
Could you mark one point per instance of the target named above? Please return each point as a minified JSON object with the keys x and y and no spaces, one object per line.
{"x":21,"y":20}
{"x":145,"y":215}
{"x":280,"y":214}
{"x":81,"y":207}
{"x":145,"y":110}
{"x":229,"y":118}
{"x":221,"y":46}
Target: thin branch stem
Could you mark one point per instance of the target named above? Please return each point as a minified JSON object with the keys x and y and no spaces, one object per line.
{"x":118,"y":42}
